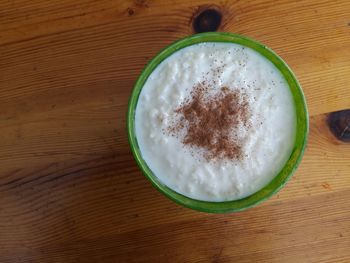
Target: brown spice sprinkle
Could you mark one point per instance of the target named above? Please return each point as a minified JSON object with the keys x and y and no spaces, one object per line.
{"x":209,"y":120}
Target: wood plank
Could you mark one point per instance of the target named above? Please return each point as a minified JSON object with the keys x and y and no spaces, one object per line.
{"x":112,"y":188}
{"x":269,"y":234}
{"x":122,"y":53}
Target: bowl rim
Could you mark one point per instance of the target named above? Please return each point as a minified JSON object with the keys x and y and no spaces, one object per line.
{"x":301,"y":134}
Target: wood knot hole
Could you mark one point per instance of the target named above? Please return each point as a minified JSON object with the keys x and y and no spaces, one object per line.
{"x":339,"y":124}
{"x":207,"y":20}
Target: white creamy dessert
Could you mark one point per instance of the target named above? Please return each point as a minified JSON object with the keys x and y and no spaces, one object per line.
{"x":263,"y":134}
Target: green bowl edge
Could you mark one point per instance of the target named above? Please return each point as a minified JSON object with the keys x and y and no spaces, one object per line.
{"x":301,"y":133}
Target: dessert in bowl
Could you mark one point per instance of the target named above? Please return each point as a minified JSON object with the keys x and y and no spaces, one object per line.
{"x":217,"y":122}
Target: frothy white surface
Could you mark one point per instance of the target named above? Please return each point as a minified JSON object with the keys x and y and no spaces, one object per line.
{"x":267,"y":145}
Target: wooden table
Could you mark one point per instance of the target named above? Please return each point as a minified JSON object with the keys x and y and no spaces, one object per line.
{"x":70,"y":189}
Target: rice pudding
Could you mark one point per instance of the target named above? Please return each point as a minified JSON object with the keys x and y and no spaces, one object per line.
{"x":215,"y":121}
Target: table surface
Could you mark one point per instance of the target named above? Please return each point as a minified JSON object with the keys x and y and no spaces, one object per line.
{"x":69,"y":187}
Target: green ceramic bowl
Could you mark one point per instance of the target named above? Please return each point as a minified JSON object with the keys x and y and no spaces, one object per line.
{"x":301,"y":134}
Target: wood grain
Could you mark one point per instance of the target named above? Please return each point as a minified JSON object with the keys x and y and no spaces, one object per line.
{"x":69,"y":187}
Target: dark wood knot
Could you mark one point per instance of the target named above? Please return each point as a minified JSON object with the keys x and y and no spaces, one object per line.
{"x":130,"y":11}
{"x":207,"y":20}
{"x":339,"y":124}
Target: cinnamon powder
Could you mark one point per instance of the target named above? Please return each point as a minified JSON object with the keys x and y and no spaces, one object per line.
{"x":209,"y":121}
